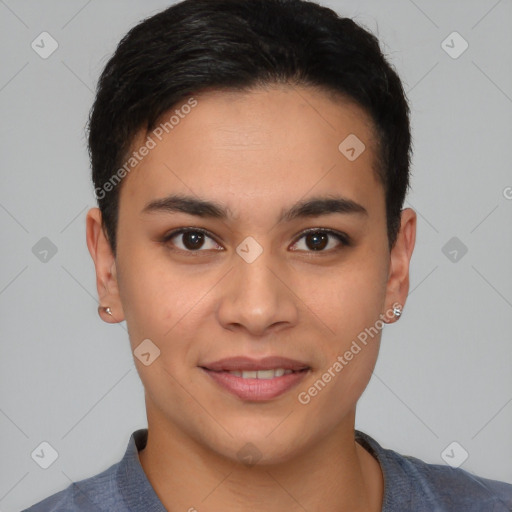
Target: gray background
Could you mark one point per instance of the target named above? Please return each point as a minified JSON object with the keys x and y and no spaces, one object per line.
{"x":444,"y":372}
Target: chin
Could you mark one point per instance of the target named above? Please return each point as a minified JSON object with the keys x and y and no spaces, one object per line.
{"x":261,"y":444}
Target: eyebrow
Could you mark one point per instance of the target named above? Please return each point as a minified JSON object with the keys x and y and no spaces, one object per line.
{"x":311,"y":207}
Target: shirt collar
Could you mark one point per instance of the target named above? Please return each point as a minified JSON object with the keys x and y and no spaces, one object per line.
{"x":133,"y":483}
{"x":387,"y":466}
{"x":139,"y":495}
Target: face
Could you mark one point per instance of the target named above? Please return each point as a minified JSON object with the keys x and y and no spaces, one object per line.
{"x":290,"y":259}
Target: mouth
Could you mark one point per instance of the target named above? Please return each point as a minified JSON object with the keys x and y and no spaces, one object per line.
{"x":256,"y":380}
{"x":259,"y":374}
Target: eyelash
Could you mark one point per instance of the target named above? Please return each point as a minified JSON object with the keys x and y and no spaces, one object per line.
{"x":343,"y":238}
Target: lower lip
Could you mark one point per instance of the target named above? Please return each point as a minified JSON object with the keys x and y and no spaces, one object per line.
{"x":256,"y":389}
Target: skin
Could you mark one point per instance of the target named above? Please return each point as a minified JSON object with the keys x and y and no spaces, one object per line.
{"x":256,"y":153}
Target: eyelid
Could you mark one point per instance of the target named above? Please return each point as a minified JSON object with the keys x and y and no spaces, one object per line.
{"x":171,"y":234}
{"x":342,"y":237}
{"x":179,"y":231}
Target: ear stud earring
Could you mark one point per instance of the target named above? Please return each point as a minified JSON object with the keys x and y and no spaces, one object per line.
{"x":106,"y":309}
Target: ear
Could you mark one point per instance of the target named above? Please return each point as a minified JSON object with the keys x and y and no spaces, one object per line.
{"x":397,"y":287}
{"x":105,"y":263}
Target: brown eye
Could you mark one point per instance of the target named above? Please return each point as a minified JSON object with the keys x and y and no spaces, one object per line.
{"x":317,"y":240}
{"x":192,"y":240}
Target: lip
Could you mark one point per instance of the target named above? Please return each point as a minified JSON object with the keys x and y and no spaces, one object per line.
{"x":256,"y":390}
{"x":242,"y":363}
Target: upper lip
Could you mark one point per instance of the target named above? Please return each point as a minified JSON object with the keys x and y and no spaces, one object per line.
{"x":242,"y":363}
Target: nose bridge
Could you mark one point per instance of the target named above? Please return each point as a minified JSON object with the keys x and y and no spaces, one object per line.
{"x":255,"y":275}
{"x":257,"y":287}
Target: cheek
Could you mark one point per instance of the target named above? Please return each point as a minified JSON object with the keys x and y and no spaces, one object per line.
{"x":348,"y":302}
{"x":151,"y":295}
{"x":350,"y":358}
{"x":336,"y":389}
{"x":351,"y":305}
{"x":162,"y":304}
{"x":361,"y":289}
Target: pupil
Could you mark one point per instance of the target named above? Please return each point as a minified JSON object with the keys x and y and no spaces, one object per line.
{"x":193,"y":240}
{"x":320,"y":240}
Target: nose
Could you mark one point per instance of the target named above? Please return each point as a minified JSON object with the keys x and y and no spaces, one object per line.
{"x":257,"y":297}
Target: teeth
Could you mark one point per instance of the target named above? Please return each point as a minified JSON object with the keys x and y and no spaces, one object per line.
{"x":261,"y":374}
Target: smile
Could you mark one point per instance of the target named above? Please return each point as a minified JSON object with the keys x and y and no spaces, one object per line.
{"x":257,"y":385}
{"x":260,"y":374}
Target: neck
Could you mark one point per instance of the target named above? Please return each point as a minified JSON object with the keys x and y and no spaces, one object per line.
{"x":334,"y":475}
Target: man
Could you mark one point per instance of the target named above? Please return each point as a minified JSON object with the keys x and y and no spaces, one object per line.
{"x":251,"y":160}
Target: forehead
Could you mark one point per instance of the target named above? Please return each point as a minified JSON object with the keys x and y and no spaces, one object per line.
{"x":261,"y":145}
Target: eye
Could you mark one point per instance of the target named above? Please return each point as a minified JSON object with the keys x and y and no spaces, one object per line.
{"x":191,"y":240}
{"x":317,"y":240}
{"x":314,"y":240}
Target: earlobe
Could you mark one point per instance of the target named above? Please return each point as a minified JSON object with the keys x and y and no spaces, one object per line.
{"x":110,"y":308}
{"x":401,"y":253}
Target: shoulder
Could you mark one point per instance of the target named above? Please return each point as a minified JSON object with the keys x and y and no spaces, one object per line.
{"x":413,"y":484}
{"x":451,"y":488}
{"x":95,"y":493}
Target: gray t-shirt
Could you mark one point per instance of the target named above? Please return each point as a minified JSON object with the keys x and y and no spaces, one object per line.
{"x":410,"y":485}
